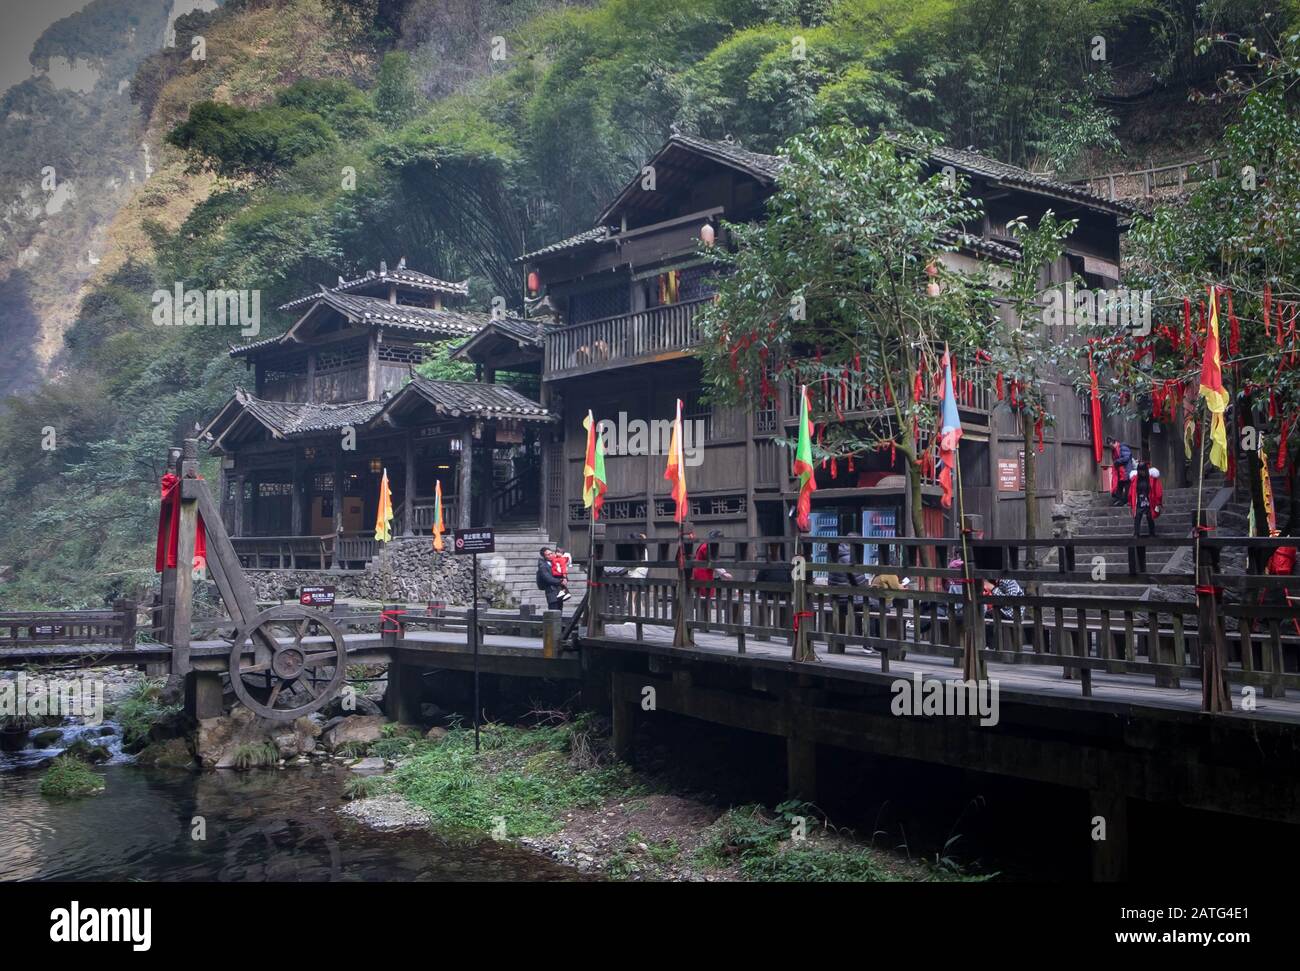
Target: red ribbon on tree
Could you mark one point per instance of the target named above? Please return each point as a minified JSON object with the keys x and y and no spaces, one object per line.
{"x":1234,"y":334}
{"x":169,"y":528}
{"x":1095,"y":395}
{"x":1281,"y":445}
{"x":1187,"y":323}
{"x":1268,"y":306}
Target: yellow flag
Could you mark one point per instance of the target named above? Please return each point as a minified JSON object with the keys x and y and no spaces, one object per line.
{"x":1212,"y":390}
{"x":384,"y":518}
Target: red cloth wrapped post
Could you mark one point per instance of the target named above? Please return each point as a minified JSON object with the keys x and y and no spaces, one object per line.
{"x":169,"y":528}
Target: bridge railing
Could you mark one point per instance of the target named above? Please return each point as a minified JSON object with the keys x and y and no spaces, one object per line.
{"x":396,"y":620}
{"x":1250,"y":614}
{"x":35,"y":628}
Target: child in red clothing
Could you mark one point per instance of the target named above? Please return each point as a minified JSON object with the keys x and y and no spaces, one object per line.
{"x":560,"y":560}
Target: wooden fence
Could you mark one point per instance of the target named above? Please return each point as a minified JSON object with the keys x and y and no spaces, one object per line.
{"x":116,"y":627}
{"x":1248,"y":614}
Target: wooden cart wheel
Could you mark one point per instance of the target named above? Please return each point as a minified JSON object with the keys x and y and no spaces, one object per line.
{"x":281,"y":679}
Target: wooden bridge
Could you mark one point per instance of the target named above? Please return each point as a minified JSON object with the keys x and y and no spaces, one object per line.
{"x":1190,"y":701}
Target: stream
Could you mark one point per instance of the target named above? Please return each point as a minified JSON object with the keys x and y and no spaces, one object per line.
{"x":265,"y":825}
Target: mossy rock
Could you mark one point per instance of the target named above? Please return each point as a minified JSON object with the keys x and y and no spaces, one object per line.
{"x":69,"y":777}
{"x":46,"y":738}
{"x":87,"y":751}
{"x":171,"y":754}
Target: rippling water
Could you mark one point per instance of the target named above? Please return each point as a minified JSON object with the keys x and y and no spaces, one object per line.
{"x":265,"y":825}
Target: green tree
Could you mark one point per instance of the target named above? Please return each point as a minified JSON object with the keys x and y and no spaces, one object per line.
{"x":833,"y":283}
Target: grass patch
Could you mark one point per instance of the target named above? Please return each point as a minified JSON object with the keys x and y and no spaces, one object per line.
{"x":139,"y":711}
{"x":524,"y":778}
{"x":68,"y":776}
{"x":364,"y":786}
{"x":255,"y":755}
{"x":765,"y":846}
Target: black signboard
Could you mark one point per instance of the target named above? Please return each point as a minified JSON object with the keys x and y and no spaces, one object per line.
{"x":475,"y":541}
{"x":316,"y":596}
{"x":49,"y":630}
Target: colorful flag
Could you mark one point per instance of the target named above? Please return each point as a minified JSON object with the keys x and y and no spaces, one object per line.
{"x":593,"y":469}
{"x":949,"y":431}
{"x":675,"y":472}
{"x":438,"y":528}
{"x":384,"y":517}
{"x":803,"y":464}
{"x":1216,"y":398}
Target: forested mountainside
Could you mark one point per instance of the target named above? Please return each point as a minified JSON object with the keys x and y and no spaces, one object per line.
{"x":318,"y":137}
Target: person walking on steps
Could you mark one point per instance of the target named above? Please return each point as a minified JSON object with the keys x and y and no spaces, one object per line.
{"x":1121,"y":461}
{"x":1145,"y":494}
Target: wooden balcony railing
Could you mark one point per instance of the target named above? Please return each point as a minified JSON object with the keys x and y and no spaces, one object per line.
{"x":283,"y":552}
{"x":422,"y":514}
{"x":643,"y":335}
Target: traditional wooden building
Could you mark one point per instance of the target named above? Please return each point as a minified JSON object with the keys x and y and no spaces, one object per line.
{"x":624,"y":296}
{"x":335,"y":401}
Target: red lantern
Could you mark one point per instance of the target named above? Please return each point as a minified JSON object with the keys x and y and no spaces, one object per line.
{"x":707,"y":234}
{"x":534,"y":283}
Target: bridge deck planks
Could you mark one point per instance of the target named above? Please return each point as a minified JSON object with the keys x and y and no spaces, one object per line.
{"x":1043,"y":681}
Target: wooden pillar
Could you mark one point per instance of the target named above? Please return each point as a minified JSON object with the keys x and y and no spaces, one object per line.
{"x":466,"y":475}
{"x":295,"y":502}
{"x":189,"y":519}
{"x":408,"y":498}
{"x":623,"y":719}
{"x":338,"y":502}
{"x":204,"y":696}
{"x":484,"y":458}
{"x":801,"y":767}
{"x":402,"y":699}
{"x":751,"y":478}
{"x":372,"y":367}
{"x":551,"y":630}
{"x":1110,"y":855}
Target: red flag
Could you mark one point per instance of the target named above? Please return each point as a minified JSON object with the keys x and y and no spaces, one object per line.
{"x":1095,"y":393}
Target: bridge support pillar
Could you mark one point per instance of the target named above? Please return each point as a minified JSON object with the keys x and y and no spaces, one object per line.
{"x":1109,"y":818}
{"x":204,"y":697}
{"x":623,"y":717}
{"x":402,"y":699}
{"x":801,"y":768}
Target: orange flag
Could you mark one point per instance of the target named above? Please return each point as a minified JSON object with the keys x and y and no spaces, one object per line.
{"x":676,"y":469}
{"x":438,"y":529}
{"x":384,"y":516}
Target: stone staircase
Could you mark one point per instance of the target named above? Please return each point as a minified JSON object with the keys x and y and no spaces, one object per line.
{"x":1092,"y":514}
{"x":514,"y":566}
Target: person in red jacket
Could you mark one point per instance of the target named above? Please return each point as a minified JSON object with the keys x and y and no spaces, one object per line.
{"x":1145,"y":494}
{"x":1281,"y":564}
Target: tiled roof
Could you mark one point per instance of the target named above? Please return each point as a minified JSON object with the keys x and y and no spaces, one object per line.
{"x":524,"y":331}
{"x":239,"y":350}
{"x":375,"y":311}
{"x":573,"y":242}
{"x":1014,"y":175}
{"x":436,"y":323}
{"x":290,"y":418}
{"x":474,"y":399}
{"x":767,"y":168}
{"x":982,"y":246}
{"x":412,"y":279}
{"x":757,"y":164}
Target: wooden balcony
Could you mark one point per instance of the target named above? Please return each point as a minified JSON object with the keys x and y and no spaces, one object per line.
{"x":656,"y":334}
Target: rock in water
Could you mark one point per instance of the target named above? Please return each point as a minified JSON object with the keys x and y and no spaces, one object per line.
{"x":357,"y":728}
